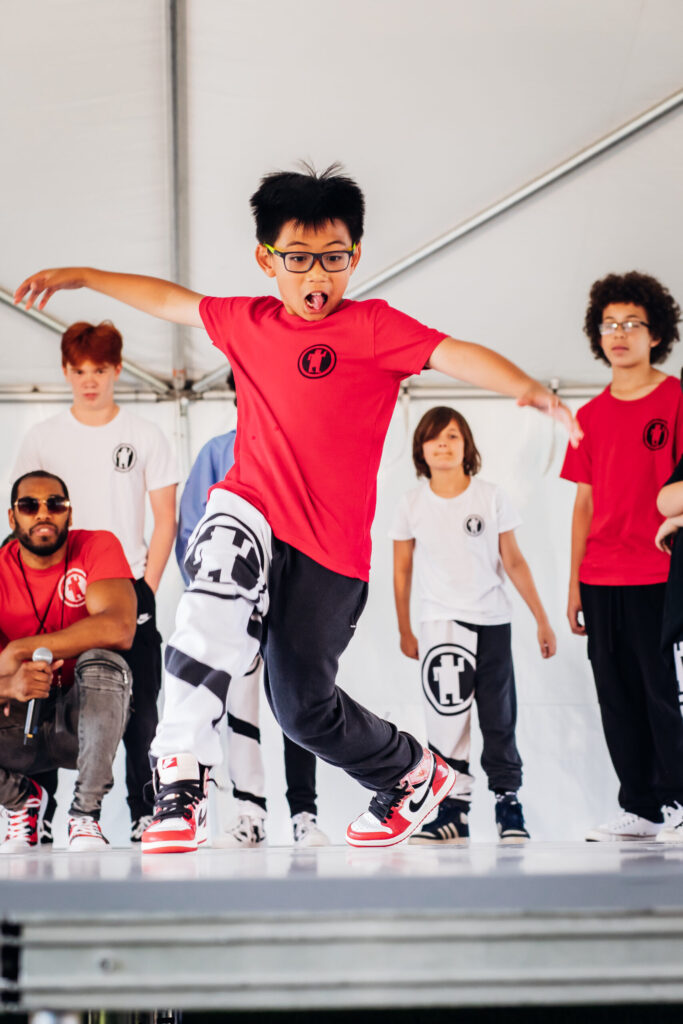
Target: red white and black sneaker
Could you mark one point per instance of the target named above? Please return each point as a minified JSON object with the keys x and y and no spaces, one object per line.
{"x":85,"y":834}
{"x":396,"y":814}
{"x":180,"y":806}
{"x":23,"y":825}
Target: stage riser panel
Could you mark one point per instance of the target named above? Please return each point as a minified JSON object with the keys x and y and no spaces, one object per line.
{"x":285,"y":961}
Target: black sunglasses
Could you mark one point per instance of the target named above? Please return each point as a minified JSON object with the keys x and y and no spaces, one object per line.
{"x":56,"y":503}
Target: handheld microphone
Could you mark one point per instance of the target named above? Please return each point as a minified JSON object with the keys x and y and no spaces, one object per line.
{"x":35,"y":706}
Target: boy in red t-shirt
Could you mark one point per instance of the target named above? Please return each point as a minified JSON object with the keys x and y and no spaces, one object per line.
{"x":281,"y":558}
{"x":633,"y":437}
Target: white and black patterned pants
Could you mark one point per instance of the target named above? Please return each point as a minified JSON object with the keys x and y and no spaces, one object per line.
{"x":461,"y":663}
{"x":249,"y":591}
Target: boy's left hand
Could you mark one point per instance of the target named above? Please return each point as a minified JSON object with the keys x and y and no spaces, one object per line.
{"x":546,"y":401}
{"x":546,"y":640}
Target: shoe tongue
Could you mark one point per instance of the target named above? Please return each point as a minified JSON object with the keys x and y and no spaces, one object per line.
{"x":178,"y":767}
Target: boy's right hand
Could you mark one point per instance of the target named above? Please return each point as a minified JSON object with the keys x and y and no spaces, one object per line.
{"x":574,"y":609}
{"x":46,"y":283}
{"x":665,"y":535}
{"x":409,"y":645}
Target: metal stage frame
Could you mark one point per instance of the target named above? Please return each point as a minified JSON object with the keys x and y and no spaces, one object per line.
{"x":334,"y":928}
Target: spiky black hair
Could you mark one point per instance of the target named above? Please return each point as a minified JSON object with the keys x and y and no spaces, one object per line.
{"x":309,"y":199}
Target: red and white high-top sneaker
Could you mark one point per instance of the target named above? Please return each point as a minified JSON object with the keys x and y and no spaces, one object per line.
{"x":396,"y":814}
{"x":179,"y":822}
{"x":23,"y":825}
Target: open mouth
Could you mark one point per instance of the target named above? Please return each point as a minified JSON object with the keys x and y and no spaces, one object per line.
{"x":316,"y":301}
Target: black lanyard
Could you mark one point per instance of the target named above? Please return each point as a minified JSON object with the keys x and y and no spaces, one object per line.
{"x":41,"y":620}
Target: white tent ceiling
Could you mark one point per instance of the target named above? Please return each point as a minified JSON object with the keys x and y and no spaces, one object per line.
{"x":438,"y":109}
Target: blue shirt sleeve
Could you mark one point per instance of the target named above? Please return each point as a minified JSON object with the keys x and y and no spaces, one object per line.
{"x":210,"y":466}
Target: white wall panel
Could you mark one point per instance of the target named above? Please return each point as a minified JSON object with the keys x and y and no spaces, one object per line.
{"x":439,"y":110}
{"x":84,"y":123}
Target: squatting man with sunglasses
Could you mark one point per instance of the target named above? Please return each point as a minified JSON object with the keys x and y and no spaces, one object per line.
{"x":69,"y":591}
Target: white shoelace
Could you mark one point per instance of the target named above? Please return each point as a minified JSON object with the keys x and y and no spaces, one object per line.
{"x":19,"y":824}
{"x":84,"y":826}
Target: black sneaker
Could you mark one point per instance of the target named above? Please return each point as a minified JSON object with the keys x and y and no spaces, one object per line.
{"x":510,"y":819}
{"x":449,"y":826}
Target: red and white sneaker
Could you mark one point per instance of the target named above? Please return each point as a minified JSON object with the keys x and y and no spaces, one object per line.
{"x":85,"y":834}
{"x":23,"y":825}
{"x":396,"y":814}
{"x":180,"y":806}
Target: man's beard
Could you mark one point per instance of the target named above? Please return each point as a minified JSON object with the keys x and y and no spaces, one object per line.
{"x":45,"y":548}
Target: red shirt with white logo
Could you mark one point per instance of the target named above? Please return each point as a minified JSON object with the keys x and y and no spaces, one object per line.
{"x":315,"y":401}
{"x":627,"y":454}
{"x":59,"y":591}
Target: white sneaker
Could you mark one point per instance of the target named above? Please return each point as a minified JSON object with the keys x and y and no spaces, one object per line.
{"x":626,"y":828}
{"x":246,"y":831}
{"x":306,"y":830}
{"x":85,"y":834}
{"x":672,"y":829}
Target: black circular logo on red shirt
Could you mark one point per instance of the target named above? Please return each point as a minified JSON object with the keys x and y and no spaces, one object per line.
{"x":656,"y":434}
{"x":317,"y":361}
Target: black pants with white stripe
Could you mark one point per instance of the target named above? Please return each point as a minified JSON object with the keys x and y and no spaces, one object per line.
{"x":250,"y":592}
{"x":637,"y":693}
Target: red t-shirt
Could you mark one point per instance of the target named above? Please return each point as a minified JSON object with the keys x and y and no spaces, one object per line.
{"x":627,"y":454}
{"x":315,"y":401}
{"x":91,"y":555}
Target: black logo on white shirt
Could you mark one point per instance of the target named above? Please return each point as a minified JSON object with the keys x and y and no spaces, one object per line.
{"x":124,"y":457}
{"x":473,"y":525}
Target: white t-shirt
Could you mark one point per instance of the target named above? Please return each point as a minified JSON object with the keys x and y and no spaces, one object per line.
{"x":457,"y":567}
{"x":107,"y":470}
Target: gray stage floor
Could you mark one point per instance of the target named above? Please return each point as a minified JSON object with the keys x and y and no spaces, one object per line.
{"x":339,"y":927}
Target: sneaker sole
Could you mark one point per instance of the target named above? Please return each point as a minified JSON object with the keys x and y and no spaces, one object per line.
{"x":621,"y":839}
{"x":169,"y":846}
{"x":443,"y":792}
{"x":418,"y":840}
{"x":674,"y":835}
{"x":513,"y":840}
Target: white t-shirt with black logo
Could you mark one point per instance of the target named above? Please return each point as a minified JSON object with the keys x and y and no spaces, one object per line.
{"x":108,"y":471}
{"x":457,"y":567}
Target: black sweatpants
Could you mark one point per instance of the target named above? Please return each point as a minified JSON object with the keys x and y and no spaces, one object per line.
{"x":144,"y":661}
{"x":637,"y":693}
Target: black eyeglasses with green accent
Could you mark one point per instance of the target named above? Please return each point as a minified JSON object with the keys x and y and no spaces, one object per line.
{"x":297,"y":262}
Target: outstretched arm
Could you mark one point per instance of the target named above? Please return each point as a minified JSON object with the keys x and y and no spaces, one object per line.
{"x":487,"y":369}
{"x":150,"y":294}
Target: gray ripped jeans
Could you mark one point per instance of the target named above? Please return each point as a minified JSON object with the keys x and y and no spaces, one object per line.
{"x":85,"y":737}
